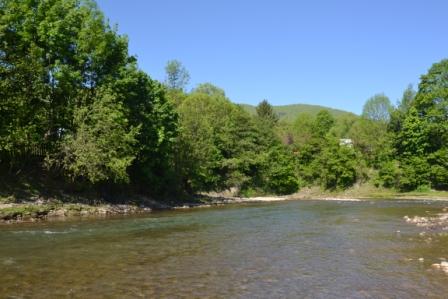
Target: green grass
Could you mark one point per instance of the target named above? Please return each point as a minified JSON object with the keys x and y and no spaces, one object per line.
{"x":289,"y":113}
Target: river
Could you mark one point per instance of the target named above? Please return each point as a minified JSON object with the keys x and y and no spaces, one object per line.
{"x":294,"y":249}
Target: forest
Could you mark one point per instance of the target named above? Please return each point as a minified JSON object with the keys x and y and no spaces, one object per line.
{"x":75,"y":107}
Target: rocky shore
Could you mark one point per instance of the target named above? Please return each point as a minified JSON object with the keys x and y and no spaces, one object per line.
{"x":49,"y":209}
{"x":41,"y":209}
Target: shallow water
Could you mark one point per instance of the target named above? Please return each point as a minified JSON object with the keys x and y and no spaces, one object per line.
{"x":296,"y":249}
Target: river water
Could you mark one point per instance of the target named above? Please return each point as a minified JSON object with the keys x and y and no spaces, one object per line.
{"x":295,"y":249}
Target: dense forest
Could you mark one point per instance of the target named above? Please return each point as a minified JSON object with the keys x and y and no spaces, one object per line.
{"x":75,"y":106}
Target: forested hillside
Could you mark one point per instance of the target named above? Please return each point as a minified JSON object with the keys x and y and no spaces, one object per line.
{"x":289,"y":113}
{"x":76,"y":107}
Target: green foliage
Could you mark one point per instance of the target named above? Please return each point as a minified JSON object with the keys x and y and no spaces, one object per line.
{"x":413,"y":139}
{"x":372,"y":140}
{"x":290,"y":113}
{"x":102,"y":147}
{"x":435,"y":79}
{"x":177,"y":76}
{"x":438,"y":162}
{"x":279,"y":173}
{"x":338,"y":166}
{"x":209,"y":89}
{"x":69,"y":86}
{"x":150,"y":111}
{"x":302,"y":129}
{"x":407,"y":99}
{"x":213,"y":134}
{"x":266,"y":112}
{"x":388,"y":174}
{"x":323,"y":123}
{"x":397,"y":115}
{"x":414,"y":172}
{"x":420,"y":131}
{"x":220,"y":146}
{"x":377,"y":108}
{"x":322,"y":160}
{"x":70,"y":91}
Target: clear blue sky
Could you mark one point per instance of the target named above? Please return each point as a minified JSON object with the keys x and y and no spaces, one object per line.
{"x":332,"y":53}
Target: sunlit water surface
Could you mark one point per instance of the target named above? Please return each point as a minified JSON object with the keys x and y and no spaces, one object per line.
{"x":297,"y":249}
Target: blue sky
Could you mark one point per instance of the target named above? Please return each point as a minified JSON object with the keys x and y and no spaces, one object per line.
{"x":331,"y":53}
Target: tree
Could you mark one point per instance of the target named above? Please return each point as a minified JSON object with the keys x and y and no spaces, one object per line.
{"x":337,"y":166}
{"x":422,"y":137}
{"x":377,"y":108}
{"x":303,"y":128}
{"x":54,"y":55}
{"x":209,"y":89}
{"x":214,"y":134}
{"x":102,"y":148}
{"x":278,"y":175}
{"x":177,"y":76}
{"x":148,"y":108}
{"x":435,"y":79}
{"x":323,"y":123}
{"x":407,"y":99}
{"x":266,"y":112}
{"x":397,"y":115}
{"x":221,"y":146}
{"x":413,"y":139}
{"x":372,"y":140}
{"x":68,"y":86}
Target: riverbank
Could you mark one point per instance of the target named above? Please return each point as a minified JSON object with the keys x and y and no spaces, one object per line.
{"x":40,"y":208}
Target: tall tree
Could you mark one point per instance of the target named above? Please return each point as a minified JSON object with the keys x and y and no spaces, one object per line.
{"x":377,"y":108}
{"x":177,"y":76}
{"x":266,"y":112}
{"x":403,"y":106}
{"x":68,"y":85}
{"x":323,"y":122}
{"x":407,"y":99}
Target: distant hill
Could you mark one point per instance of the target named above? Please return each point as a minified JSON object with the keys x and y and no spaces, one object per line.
{"x":289,"y":113}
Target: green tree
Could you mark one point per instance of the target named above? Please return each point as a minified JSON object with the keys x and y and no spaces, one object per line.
{"x":149,"y":109}
{"x":177,"y":76}
{"x":278,"y":175}
{"x":303,"y":128}
{"x":102,"y":148}
{"x":69,"y":86}
{"x":407,"y":99}
{"x":222,"y":146}
{"x":421,"y":139}
{"x":266,"y":112}
{"x":209,"y":89}
{"x":55,"y":55}
{"x":337,"y":166}
{"x":377,"y":108}
{"x":372,"y":140}
{"x":323,"y":123}
{"x":397,"y":115}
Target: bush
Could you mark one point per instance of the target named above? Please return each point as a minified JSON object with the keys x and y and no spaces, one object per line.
{"x":439,"y":169}
{"x":388,"y":175}
{"x":338,"y":167}
{"x":414,"y":172}
{"x":279,"y":175}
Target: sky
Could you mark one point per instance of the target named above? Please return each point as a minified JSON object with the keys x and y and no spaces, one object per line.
{"x":324,"y":52}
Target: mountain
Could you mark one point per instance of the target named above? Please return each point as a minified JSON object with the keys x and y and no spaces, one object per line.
{"x":289,"y":113}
